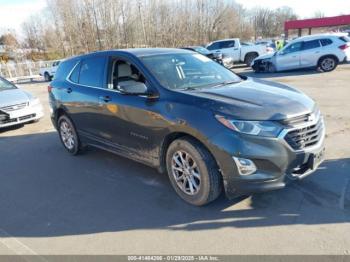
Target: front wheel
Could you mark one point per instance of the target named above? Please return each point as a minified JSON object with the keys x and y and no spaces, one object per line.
{"x":327,"y":64}
{"x":68,"y":135}
{"x":249,"y":58}
{"x":47,"y":77}
{"x":193,"y":172}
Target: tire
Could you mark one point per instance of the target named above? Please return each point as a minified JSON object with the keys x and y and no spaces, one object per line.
{"x":327,"y":63}
{"x":271,"y":68}
{"x":249,"y":58}
{"x":47,"y":77}
{"x":195,"y":160}
{"x":68,"y":135}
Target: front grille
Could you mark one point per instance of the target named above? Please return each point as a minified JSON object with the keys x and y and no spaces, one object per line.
{"x":26,"y":117}
{"x":306,"y":136}
{"x":8,"y":120}
{"x":14,"y":107}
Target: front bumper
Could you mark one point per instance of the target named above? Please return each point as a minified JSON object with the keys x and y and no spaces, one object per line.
{"x":27,"y":114}
{"x":276,"y":161}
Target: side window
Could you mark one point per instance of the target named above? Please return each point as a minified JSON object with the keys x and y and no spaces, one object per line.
{"x":125,"y":73}
{"x":311,"y":44}
{"x":92,"y":71}
{"x":292,"y":48}
{"x":326,"y":41}
{"x":227,"y":44}
{"x":74,"y":77}
{"x":214,"y":46}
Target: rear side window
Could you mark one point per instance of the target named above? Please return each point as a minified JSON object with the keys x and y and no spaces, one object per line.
{"x":74,"y":77}
{"x":311,"y":44}
{"x":92,"y":71}
{"x":344,"y":39}
{"x":227,"y":44}
{"x":326,"y":41}
{"x":64,"y":69}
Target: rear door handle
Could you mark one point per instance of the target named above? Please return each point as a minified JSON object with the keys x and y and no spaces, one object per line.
{"x":105,"y":98}
{"x":69,"y":90}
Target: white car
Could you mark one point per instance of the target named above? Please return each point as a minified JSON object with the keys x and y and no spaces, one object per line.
{"x":49,"y":72}
{"x":17,"y":106}
{"x":315,"y":51}
{"x":236,"y":51}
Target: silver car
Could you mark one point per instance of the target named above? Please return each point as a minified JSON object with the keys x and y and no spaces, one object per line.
{"x":17,"y":106}
{"x":315,"y":51}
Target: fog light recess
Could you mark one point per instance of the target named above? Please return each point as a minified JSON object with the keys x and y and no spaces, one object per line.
{"x":245,"y":166}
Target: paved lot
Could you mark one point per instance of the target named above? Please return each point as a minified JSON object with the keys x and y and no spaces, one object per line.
{"x":99,"y":203}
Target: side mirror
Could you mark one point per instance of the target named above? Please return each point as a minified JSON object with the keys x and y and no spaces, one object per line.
{"x":135,"y":88}
{"x":132,"y":88}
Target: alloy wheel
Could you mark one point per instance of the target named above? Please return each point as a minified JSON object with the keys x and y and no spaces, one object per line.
{"x":186,"y":172}
{"x":67,"y":135}
{"x":328,"y":64}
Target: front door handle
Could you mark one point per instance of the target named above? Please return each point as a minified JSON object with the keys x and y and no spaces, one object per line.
{"x":69,"y":90}
{"x":105,"y":98}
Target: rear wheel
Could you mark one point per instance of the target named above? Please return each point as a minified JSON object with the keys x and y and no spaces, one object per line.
{"x":249,"y":58}
{"x":328,"y":63}
{"x":47,"y":77}
{"x":68,"y":135}
{"x":193,"y":172}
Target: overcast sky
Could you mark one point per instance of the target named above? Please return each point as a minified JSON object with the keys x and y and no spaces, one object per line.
{"x":14,"y":12}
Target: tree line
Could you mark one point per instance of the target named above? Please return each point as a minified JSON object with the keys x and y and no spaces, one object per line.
{"x":71,"y":27}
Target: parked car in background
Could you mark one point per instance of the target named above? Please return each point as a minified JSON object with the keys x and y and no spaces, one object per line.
{"x":236,"y":51}
{"x":49,"y":72}
{"x":315,"y":51}
{"x":17,"y":106}
{"x":216,"y":56}
{"x":184,"y":114}
{"x":269,"y":44}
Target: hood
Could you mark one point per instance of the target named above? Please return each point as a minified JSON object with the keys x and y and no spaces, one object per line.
{"x":13,"y":96}
{"x":265,"y":56}
{"x":256,"y":99}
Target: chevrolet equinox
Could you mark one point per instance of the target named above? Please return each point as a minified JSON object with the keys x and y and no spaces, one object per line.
{"x":184,"y":114}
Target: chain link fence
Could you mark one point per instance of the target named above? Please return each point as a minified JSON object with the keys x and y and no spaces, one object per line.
{"x":23,"y":71}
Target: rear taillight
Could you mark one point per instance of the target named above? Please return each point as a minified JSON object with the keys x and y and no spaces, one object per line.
{"x":49,"y":88}
{"x":343,"y":47}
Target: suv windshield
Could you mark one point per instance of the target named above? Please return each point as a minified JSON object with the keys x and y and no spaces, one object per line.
{"x":5,"y":85}
{"x":188,"y":71}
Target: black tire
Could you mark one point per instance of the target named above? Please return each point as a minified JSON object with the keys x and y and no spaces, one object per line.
{"x":271,"y":68}
{"x":249,"y":58}
{"x":77,"y":146}
{"x":47,"y":77}
{"x":328,"y":63}
{"x":210,"y":183}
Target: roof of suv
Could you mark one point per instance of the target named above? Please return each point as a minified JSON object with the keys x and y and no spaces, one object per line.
{"x":312,"y":37}
{"x":139,"y":52}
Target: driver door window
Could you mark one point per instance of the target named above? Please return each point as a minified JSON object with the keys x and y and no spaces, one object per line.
{"x":124,"y":75}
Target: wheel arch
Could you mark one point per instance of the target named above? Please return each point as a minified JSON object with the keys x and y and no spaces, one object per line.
{"x":171,"y":138}
{"x":328,"y":55}
{"x":250,"y":53}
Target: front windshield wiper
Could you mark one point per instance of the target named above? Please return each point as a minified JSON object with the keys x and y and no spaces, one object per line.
{"x":191,"y":88}
{"x":224,"y":83}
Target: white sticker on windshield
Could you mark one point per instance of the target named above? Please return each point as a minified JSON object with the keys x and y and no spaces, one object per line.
{"x":202,"y":58}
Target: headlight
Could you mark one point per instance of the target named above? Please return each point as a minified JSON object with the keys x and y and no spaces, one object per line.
{"x":35,"y":102}
{"x":257,"y":128}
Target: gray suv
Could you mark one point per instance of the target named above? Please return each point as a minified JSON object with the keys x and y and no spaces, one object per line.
{"x":184,"y":114}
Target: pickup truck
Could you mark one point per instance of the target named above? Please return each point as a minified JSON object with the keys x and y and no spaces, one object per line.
{"x":236,"y":50}
{"x":49,"y":72}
